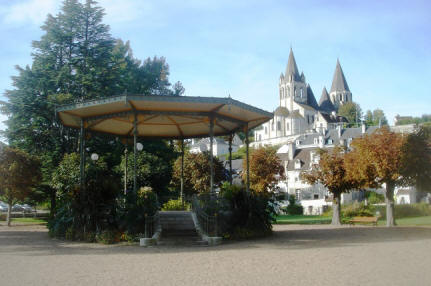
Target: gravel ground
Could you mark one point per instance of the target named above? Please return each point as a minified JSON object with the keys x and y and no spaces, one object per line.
{"x":294,"y":255}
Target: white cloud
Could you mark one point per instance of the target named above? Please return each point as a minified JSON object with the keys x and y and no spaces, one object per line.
{"x":30,"y":11}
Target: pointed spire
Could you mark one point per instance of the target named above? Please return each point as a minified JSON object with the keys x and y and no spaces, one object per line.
{"x":339,"y":82}
{"x":311,"y":100}
{"x":291,"y":68}
{"x":325,"y":103}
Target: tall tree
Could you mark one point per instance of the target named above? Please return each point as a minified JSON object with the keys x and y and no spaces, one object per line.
{"x":416,"y":159}
{"x":75,"y":59}
{"x":265,"y":169}
{"x":375,"y":118}
{"x":19,"y":174}
{"x":332,"y":173}
{"x":376,"y":159}
{"x":352,"y":112}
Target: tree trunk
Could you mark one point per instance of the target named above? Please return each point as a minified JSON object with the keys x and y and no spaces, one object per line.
{"x":336,"y":209}
{"x":389,"y":198}
{"x":9,"y":214}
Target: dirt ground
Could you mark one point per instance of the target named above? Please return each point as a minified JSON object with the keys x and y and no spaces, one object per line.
{"x":294,"y":255}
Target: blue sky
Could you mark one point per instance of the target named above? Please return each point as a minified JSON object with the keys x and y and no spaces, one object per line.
{"x":217,"y":48}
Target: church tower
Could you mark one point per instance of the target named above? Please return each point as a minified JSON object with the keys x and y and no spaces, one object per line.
{"x":292,"y":85}
{"x":340,"y":92}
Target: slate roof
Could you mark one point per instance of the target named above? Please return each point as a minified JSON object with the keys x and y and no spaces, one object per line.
{"x":333,"y":119}
{"x":304,"y":156}
{"x":325,"y":103}
{"x":311,"y":100}
{"x":339,"y":82}
{"x":292,"y":68}
{"x":206,"y":141}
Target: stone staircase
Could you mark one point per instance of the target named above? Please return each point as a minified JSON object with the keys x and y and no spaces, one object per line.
{"x":178,"y":229}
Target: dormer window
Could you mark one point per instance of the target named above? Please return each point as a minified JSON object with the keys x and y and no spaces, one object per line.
{"x":298,"y":142}
{"x":330,"y":141}
{"x":316,"y":141}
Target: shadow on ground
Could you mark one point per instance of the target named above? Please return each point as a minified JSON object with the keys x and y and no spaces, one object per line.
{"x":34,"y":240}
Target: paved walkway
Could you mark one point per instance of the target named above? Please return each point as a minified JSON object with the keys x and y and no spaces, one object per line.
{"x":294,"y":255}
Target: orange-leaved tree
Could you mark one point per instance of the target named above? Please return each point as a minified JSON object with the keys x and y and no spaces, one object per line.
{"x":331,"y":172}
{"x":375,"y":160}
{"x":265,"y":169}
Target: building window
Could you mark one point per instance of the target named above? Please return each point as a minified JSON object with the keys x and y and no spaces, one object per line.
{"x":287,"y":91}
{"x":287,"y":126}
{"x":260,"y":137}
{"x":272,"y":125}
{"x":316,"y":196}
{"x":315,"y":141}
{"x":302,"y":93}
{"x":278,"y":125}
{"x":298,"y":194}
{"x":266,"y":130}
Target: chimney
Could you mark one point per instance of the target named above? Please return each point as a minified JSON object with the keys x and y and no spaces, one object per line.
{"x":291,"y":151}
{"x":363,"y":127}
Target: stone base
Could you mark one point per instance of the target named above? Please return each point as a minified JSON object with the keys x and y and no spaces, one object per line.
{"x":214,"y":240}
{"x":147,"y":242}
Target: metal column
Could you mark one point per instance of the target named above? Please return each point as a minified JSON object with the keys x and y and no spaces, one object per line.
{"x":82,"y":155}
{"x":135,"y":152}
{"x":182,"y":170}
{"x":125,"y":168}
{"x":230,"y":158}
{"x":211,"y":155}
{"x":247,"y":156}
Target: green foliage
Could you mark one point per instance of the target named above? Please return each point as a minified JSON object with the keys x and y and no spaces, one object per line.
{"x":239,"y":154}
{"x":83,"y":210}
{"x":374,"y":198}
{"x":197,"y":173}
{"x":352,"y":112}
{"x":246,"y":214}
{"x":357,"y":209}
{"x":176,"y":205}
{"x":408,"y":210}
{"x":375,"y":117}
{"x":293,"y":208}
{"x":138,"y":208}
{"x":425,"y":118}
{"x":154,"y":166}
{"x":108,"y":236}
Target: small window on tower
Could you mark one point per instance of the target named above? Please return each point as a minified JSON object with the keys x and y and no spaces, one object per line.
{"x":278,"y":125}
{"x":287,"y":126}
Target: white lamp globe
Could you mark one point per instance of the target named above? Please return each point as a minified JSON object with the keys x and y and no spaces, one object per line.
{"x":94,"y":157}
{"x":139,"y":146}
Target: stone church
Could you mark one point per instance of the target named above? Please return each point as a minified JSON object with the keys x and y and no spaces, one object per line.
{"x":298,"y":111}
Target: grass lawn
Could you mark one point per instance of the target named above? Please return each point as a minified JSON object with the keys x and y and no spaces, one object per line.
{"x":410,"y":221}
{"x":302,"y":219}
{"x":28,"y":220}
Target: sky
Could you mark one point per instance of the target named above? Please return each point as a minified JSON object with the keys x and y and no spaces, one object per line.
{"x":240,"y":48}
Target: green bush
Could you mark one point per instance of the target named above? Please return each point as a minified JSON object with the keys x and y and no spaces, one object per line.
{"x":357,"y":209}
{"x":293,"y":208}
{"x":408,"y":210}
{"x":3,"y":216}
{"x":108,"y":237}
{"x":245,"y":214}
{"x":375,"y":198}
{"x":176,"y":205}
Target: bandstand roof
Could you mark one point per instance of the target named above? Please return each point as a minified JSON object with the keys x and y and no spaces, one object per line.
{"x":172,"y":117}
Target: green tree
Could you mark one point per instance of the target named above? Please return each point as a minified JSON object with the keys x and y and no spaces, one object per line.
{"x":75,"y":59}
{"x":265,"y":169}
{"x":352,"y":112}
{"x":197,"y":173}
{"x":375,"y":118}
{"x":19,"y":175}
{"x":333,"y":174}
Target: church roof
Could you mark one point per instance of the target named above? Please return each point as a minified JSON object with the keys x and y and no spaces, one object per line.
{"x":281,"y":111}
{"x":311,"y":100}
{"x":339,"y":82}
{"x":325,"y":103}
{"x":292,"y":68}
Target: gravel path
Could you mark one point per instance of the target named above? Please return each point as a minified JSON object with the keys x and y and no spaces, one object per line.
{"x":294,"y":255}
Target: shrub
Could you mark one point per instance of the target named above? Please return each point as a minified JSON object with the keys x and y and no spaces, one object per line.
{"x":108,"y":237}
{"x":357,"y":209}
{"x":293,"y":208}
{"x":410,"y":210}
{"x":176,"y":205}
{"x":375,"y":198}
{"x":245,"y":214}
{"x":138,"y":206}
